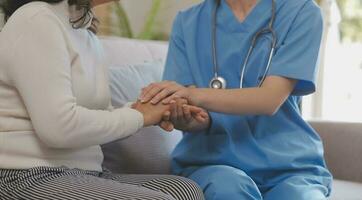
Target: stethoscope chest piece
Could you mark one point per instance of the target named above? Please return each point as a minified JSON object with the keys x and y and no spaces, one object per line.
{"x":218,"y":83}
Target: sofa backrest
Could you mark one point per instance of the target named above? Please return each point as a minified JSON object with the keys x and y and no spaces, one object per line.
{"x":123,"y":51}
{"x":343,"y":148}
{"x":147,"y":151}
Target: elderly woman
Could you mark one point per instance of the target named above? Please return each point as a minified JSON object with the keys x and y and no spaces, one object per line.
{"x":55,"y":110}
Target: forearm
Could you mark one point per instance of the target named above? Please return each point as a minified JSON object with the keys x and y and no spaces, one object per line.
{"x":264,"y":100}
{"x":259,"y":101}
{"x":79,"y":127}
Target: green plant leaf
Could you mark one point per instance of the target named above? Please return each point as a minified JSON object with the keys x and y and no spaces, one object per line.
{"x":124,"y":27}
{"x":147,"y":32}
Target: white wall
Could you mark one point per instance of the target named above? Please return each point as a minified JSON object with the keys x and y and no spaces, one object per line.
{"x":138,"y":9}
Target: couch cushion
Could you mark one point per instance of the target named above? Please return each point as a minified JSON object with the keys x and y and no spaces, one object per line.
{"x":122,"y":52}
{"x":342,"y":145}
{"x":126,"y":81}
{"x":147,"y":151}
{"x":345,"y":190}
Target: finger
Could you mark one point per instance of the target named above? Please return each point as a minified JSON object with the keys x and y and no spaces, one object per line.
{"x":166,"y":116}
{"x":200,"y":118}
{"x":180,"y":112}
{"x":145,"y":90}
{"x":170,"y":127}
{"x":204,"y":114}
{"x":195,"y":109}
{"x":182,"y":101}
{"x":161,"y":86}
{"x":187,"y":113}
{"x":199,"y":111}
{"x":161,"y":95}
{"x":151,"y":93}
{"x":167,"y":126}
{"x":134,"y":105}
{"x":170,"y":98}
{"x":167,"y":91}
{"x":199,"y":114}
{"x":173,"y":108}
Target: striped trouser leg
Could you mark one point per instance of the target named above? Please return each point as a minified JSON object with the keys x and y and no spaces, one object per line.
{"x":178,"y":187}
{"x":73,"y":184}
{"x":65,"y":184}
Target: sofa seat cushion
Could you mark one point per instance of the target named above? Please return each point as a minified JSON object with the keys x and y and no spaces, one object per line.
{"x":346,"y":190}
{"x":145,"y":152}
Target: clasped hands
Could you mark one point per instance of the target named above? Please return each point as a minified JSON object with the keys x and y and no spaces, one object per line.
{"x":171,"y":106}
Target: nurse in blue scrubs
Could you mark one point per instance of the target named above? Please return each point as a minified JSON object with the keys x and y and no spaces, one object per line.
{"x":253,"y":143}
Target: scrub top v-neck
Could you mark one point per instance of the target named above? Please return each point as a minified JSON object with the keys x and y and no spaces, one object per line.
{"x":264,"y":147}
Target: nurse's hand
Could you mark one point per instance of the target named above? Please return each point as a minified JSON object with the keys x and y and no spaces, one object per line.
{"x":166,"y":91}
{"x":186,"y":117}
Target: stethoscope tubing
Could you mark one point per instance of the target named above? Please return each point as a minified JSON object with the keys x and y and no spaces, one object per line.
{"x":269,"y":29}
{"x":213,"y":36}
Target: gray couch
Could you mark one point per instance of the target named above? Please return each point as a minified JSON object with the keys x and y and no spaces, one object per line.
{"x":343,"y":152}
{"x":148,"y":151}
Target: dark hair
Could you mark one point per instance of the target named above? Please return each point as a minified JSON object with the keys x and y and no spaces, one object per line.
{"x":10,"y":6}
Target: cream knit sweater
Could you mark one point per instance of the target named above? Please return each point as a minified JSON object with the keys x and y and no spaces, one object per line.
{"x":54,"y":93}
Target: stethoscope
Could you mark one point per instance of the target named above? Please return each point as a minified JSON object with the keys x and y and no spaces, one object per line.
{"x":219,"y":82}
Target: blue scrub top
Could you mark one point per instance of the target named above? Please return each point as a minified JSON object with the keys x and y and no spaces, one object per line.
{"x":265,"y":147}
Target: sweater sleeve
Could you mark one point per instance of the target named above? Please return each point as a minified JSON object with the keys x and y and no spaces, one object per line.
{"x":41,"y":71}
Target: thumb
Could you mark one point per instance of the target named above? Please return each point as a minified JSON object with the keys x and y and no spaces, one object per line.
{"x":166,"y":116}
{"x":195,"y":109}
{"x":167,"y":126}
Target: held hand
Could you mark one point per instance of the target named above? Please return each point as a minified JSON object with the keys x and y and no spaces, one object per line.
{"x":186,"y":117}
{"x":152,"y":114}
{"x":167,"y":125}
{"x":166,"y":91}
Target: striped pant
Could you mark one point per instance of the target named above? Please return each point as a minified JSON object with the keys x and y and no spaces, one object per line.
{"x":45,"y":183}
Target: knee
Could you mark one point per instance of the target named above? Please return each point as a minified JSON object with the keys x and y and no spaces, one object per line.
{"x":298,"y":188}
{"x":223,"y":182}
{"x":185,"y":188}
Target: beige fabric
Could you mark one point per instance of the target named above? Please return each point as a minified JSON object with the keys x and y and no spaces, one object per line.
{"x":343,"y":148}
{"x":146,"y":152}
{"x":122,"y":52}
{"x":345,"y":190}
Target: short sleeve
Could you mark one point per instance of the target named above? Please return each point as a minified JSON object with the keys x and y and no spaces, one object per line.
{"x":297,"y":56}
{"x":177,"y":65}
